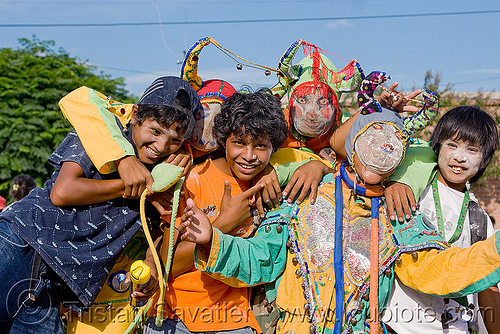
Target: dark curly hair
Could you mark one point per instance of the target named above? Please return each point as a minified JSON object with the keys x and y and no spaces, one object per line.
{"x":165,"y":115}
{"x":21,"y":186}
{"x":258,"y":114}
{"x":470,"y":124}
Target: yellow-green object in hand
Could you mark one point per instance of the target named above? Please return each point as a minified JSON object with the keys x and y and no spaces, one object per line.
{"x":165,"y":175}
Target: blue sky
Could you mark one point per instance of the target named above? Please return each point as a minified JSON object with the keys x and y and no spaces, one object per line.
{"x":396,"y":36}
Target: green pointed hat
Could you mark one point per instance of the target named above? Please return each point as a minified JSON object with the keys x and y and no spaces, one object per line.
{"x":315,"y":68}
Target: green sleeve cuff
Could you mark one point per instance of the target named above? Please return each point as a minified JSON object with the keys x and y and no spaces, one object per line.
{"x":285,"y":171}
{"x":417,"y":168}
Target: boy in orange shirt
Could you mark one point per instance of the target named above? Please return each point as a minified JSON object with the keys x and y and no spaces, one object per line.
{"x":250,"y":127}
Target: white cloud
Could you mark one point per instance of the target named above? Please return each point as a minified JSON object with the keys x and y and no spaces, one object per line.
{"x":338,"y":23}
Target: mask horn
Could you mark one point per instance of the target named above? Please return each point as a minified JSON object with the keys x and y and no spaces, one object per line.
{"x":287,"y":74}
{"x":189,"y":69}
{"x":366,"y":101}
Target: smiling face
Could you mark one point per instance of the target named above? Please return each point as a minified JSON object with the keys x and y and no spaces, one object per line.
{"x":246,"y":156}
{"x":313,"y":114}
{"x":154,"y":141}
{"x":458,"y":162}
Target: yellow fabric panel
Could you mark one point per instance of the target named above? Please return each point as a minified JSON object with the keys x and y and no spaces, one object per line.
{"x":443,"y":272}
{"x":206,"y":259}
{"x":101,"y":319}
{"x":122,"y":111}
{"x":287,"y":154}
{"x":91,"y":129}
{"x":290,"y":296}
{"x":291,"y":299}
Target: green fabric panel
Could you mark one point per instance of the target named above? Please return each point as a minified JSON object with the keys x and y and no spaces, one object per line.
{"x":486,"y":282}
{"x":419,"y":236}
{"x":285,"y":171}
{"x":110,"y":122}
{"x":417,"y":168}
{"x":257,"y":260}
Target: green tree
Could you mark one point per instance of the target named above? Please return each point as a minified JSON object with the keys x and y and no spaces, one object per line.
{"x":33,"y":78}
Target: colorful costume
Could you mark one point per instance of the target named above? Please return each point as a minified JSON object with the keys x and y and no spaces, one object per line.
{"x":334,"y":255}
{"x":314,"y":74}
{"x":412,"y":252}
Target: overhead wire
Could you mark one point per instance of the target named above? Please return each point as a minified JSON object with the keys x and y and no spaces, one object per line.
{"x":121,"y":24}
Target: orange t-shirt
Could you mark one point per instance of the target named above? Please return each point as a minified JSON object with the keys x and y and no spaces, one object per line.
{"x":201,"y":302}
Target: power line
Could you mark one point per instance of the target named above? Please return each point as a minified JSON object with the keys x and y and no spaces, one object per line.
{"x":478,"y":80}
{"x":127,"y":70}
{"x":121,"y":24}
{"x":167,"y":2}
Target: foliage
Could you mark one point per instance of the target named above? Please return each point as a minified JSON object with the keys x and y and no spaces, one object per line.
{"x":33,"y":79}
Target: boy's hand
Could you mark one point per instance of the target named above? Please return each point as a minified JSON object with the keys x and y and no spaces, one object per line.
{"x":306,"y":179}
{"x":400,"y":197}
{"x":270,"y":193}
{"x":195,"y":226}
{"x":135,"y":176}
{"x":181,"y":158}
{"x":396,"y":100}
{"x":234,"y":210}
{"x":144,"y":293}
{"x":163,"y":201}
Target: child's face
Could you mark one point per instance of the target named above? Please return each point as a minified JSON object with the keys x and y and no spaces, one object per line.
{"x":458,"y":162}
{"x":154,"y":141}
{"x":246,"y":156}
{"x":313,"y":114}
{"x":366,"y":175}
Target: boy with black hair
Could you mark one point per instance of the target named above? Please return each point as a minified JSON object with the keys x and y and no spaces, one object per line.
{"x":250,"y":127}
{"x":60,"y":242}
{"x":464,"y":140}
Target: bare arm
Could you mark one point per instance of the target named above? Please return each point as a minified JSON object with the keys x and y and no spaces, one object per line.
{"x":338,"y":138}
{"x":73,"y":188}
{"x":489,"y":303}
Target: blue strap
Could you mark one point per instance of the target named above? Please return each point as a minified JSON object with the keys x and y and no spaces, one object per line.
{"x":350,"y":183}
{"x":337,"y":259}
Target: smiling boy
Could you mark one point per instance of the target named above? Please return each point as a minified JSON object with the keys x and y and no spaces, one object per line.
{"x":60,"y":242}
{"x":250,"y":127}
{"x":464,"y":140}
